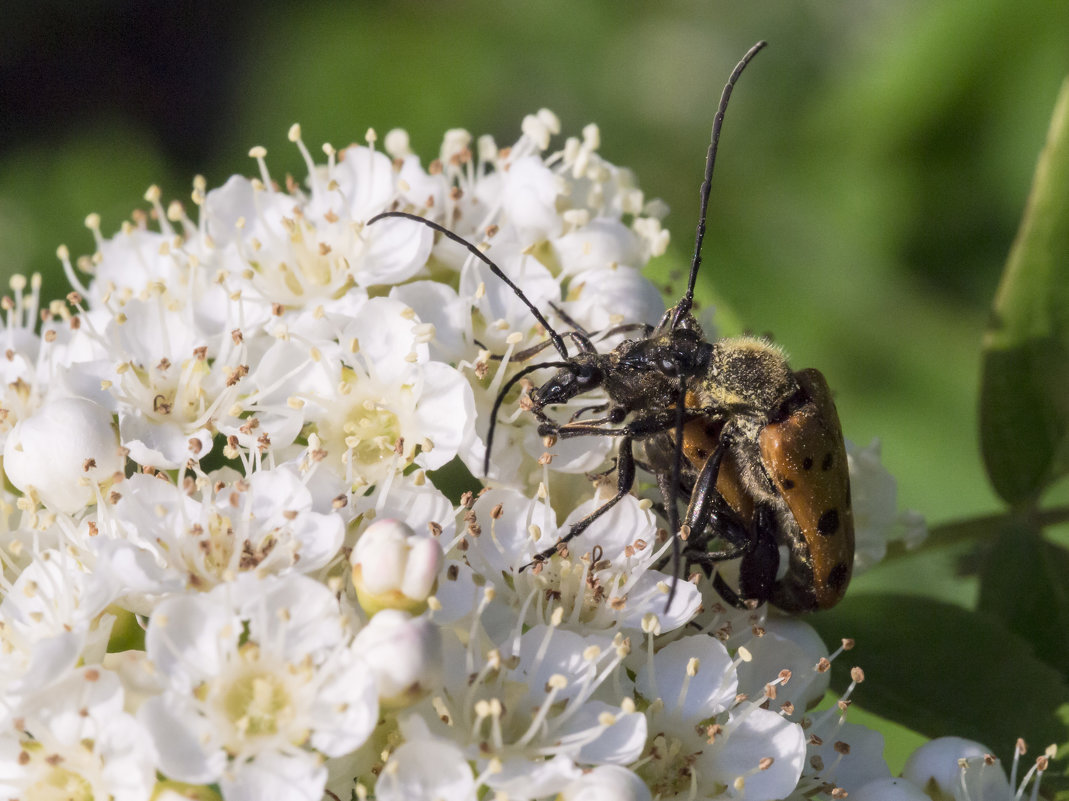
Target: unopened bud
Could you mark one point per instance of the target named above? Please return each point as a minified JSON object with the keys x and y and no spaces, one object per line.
{"x":404,"y":653}
{"x":395,"y":568}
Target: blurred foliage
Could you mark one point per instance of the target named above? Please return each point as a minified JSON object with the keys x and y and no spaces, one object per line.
{"x":1024,"y":401}
{"x":872,"y":173}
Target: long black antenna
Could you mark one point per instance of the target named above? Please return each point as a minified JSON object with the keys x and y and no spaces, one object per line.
{"x":555,"y":338}
{"x":687,"y":300}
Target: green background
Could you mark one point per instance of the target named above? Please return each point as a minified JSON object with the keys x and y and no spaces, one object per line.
{"x":873,"y":169}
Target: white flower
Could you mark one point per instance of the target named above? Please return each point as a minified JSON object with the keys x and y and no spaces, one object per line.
{"x":389,"y":405}
{"x":411,"y":500}
{"x":611,"y":296}
{"x":877,"y":519}
{"x":426,"y":769}
{"x":307,"y":248}
{"x":607,"y":575}
{"x":956,"y":769}
{"x":602,"y":243}
{"x":784,"y":643}
{"x":528,"y":195}
{"x":705,"y":742}
{"x":889,"y":789}
{"x":162,"y":539}
{"x":28,"y":369}
{"x":171,"y":379}
{"x":75,"y":741}
{"x":530,"y":715}
{"x":63,"y":453}
{"x":51,"y":617}
{"x":607,"y":783}
{"x":845,"y":754}
{"x":260,"y":680}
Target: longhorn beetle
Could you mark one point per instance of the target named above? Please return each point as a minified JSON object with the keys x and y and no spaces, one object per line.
{"x":754,"y":448}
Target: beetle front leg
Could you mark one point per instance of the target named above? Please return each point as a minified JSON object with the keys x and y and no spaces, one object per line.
{"x":625,"y":479}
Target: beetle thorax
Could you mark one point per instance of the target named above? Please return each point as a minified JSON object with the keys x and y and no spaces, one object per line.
{"x":748,"y":375}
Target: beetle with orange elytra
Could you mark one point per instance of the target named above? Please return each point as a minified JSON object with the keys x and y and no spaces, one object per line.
{"x":754,"y":448}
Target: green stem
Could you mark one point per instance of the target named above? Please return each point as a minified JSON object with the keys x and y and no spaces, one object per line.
{"x":983,"y":527}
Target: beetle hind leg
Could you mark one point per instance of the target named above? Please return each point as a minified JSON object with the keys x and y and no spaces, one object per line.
{"x":760,"y":563}
{"x":709,"y":517}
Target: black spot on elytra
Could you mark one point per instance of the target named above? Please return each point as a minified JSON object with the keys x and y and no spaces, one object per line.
{"x":828,"y":523}
{"x":829,"y":460}
{"x":786,"y":484}
{"x":808,"y":463}
{"x":838,"y":575}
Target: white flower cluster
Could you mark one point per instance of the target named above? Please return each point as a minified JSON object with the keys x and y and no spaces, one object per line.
{"x":227,"y":569}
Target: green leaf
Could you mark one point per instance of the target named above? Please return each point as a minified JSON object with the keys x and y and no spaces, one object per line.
{"x":939,"y":669}
{"x":1060,"y":781}
{"x":1022,"y":584}
{"x":1024,"y":396}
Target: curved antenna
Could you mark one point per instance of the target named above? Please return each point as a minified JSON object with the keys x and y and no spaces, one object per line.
{"x":557,"y":339}
{"x":501,"y":399}
{"x":687,"y":300}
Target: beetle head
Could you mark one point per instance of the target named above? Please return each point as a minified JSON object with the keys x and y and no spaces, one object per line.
{"x":583,"y":373}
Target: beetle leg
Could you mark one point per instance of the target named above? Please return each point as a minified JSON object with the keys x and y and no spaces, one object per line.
{"x":760,"y":554}
{"x":645,"y":328}
{"x":757,"y":573}
{"x":724,"y":524}
{"x":568,"y":320}
{"x":625,"y":479}
{"x":671,"y":513}
{"x":760,"y":562}
{"x":603,"y":473}
{"x":709,"y":514}
{"x":701,"y":497}
{"x":597,"y":407}
{"x":758,"y":549}
{"x":519,"y":356}
{"x":653,"y":424}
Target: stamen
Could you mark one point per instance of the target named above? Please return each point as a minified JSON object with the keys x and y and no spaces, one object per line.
{"x":556,"y":683}
{"x":313,"y":174}
{"x":260,"y":153}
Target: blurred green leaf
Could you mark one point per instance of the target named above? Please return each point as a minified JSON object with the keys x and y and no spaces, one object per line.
{"x":1061,"y":780}
{"x":1022,"y":584}
{"x":937,"y":668}
{"x":48,"y":188}
{"x":938,"y":570}
{"x":1024,"y":402}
